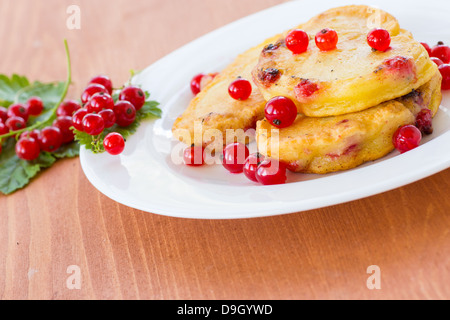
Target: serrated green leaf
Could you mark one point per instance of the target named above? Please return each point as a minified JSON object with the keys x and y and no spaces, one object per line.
{"x":69,"y":150}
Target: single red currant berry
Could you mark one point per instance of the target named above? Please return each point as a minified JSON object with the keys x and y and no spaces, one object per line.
{"x":28,"y":149}
{"x":50,"y":139}
{"x":234,"y":156}
{"x":251,"y":165}
{"x":297,"y":41}
{"x":407,"y":138}
{"x":445,"y":72}
{"x":77,"y":119}
{"x":114,"y":143}
{"x":379,"y":39}
{"x":442,"y":52}
{"x":281,"y":112}
{"x":109,"y":117}
{"x":3,"y":129}
{"x":68,"y":108}
{"x":64,"y":124}
{"x":93,"y":124}
{"x":271,"y":172}
{"x":327,"y":39}
{"x":90,"y":90}
{"x":424,"y":121}
{"x":104,"y":81}
{"x":125,"y":113}
{"x":100,"y":101}
{"x":35,"y":106}
{"x":193,"y":156}
{"x":15,"y":123}
{"x":18,"y":110}
{"x":207,"y":79}
{"x":240,"y":89}
{"x":3,"y":114}
{"x":437,"y":61}
{"x":135,"y":95}
{"x":31,"y":134}
{"x":427,"y":47}
{"x":195,"y":83}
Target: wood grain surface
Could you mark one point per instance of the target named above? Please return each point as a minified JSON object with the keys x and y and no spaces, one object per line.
{"x":60,"y":220}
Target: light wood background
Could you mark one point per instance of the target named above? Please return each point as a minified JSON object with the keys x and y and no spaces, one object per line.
{"x":60,"y":220}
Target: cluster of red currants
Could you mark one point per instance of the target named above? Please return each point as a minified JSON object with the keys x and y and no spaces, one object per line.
{"x":100,"y":111}
{"x":440,"y":54}
{"x":31,"y":143}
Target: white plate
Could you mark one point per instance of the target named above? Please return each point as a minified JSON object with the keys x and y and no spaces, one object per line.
{"x":145,"y":177}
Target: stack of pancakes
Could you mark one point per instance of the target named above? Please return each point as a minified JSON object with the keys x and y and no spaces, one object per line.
{"x":350,"y":100}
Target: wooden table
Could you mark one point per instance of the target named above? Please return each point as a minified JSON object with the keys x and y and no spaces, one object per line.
{"x":60,"y":220}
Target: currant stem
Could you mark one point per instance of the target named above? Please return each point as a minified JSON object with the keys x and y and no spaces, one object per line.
{"x":53,"y":111}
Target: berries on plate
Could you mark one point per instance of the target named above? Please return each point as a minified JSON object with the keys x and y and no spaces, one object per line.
{"x":424,"y":121}
{"x":427,"y":47}
{"x":134,"y":95}
{"x":64,"y":124}
{"x":109,"y":117}
{"x":68,"y":108}
{"x":100,"y":101}
{"x":194,"y":156}
{"x":195,"y":83}
{"x":379,"y":39}
{"x":297,"y":41}
{"x":234,"y":156}
{"x":90,"y":90}
{"x":280,"y":112}
{"x":327,"y":39}
{"x":125,"y":113}
{"x":104,"y":81}
{"x":445,"y":72}
{"x":240,"y":89}
{"x":77,"y":119}
{"x":27,"y":148}
{"x":437,"y":61}
{"x":93,"y":124}
{"x":114,"y":143}
{"x":271,"y":172}
{"x":442,"y":52}
{"x":406,"y":138}
{"x":251,"y":165}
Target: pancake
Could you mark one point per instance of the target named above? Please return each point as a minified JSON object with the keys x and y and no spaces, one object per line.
{"x":351,"y":78}
{"x":212,"y":112}
{"x":330,"y":144}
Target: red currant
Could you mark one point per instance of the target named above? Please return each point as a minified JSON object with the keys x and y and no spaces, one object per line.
{"x":251,"y":165}
{"x":90,"y":90}
{"x":281,"y":112}
{"x":28,"y":149}
{"x":195,"y":83}
{"x":379,"y":39}
{"x":445,"y":72}
{"x":442,"y":52}
{"x":427,"y":47}
{"x":64,"y":124}
{"x":33,"y":134}
{"x":437,"y":61}
{"x":407,"y":138}
{"x":135,"y":95}
{"x":50,"y":139}
{"x":104,"y":81}
{"x":68,"y":108}
{"x":297,"y":41}
{"x":125,"y":113}
{"x":234,"y":156}
{"x":327,"y":39}
{"x":15,"y":123}
{"x":93,"y":124}
{"x":77,"y":119}
{"x":207,"y":79}
{"x":240,"y":89}
{"x":35,"y":106}
{"x":3,"y":114}
{"x":424,"y":121}
{"x":18,"y":110}
{"x":271,"y":172}
{"x":100,"y":101}
{"x":109,"y":117}
{"x":114,"y":143}
{"x":193,"y":156}
{"x":3,"y":129}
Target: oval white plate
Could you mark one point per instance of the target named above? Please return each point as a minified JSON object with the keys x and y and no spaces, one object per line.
{"x":146,"y":178}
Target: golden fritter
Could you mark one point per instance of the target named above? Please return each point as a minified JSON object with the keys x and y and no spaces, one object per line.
{"x":352,"y":77}
{"x":329,"y":144}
